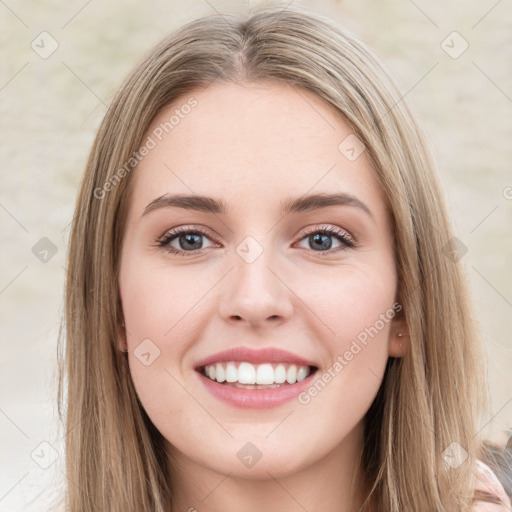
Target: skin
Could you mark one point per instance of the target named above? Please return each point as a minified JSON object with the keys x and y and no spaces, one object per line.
{"x":253,"y":146}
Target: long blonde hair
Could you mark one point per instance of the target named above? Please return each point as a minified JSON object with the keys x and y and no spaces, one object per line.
{"x":430,"y":401}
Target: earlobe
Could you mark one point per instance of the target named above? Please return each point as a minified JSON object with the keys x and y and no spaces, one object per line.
{"x":121,"y":338}
{"x":399,"y":340}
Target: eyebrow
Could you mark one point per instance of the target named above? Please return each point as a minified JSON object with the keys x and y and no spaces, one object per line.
{"x":290,"y":205}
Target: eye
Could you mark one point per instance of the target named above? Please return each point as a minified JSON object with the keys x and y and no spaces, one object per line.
{"x":319,"y":237}
{"x":188,"y":240}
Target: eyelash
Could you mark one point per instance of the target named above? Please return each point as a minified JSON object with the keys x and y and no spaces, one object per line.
{"x":164,"y":242}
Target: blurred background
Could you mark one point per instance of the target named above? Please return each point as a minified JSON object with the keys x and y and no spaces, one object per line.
{"x":61,"y":62}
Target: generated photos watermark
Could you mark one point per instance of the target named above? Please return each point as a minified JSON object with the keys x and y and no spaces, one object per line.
{"x":344,"y":359}
{"x":157,"y":135}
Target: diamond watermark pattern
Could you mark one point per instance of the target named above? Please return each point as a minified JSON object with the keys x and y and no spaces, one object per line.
{"x":454,"y":456}
{"x":454,"y":45}
{"x":146,"y":352}
{"x":249,"y":454}
{"x":44,"y":250}
{"x":455,"y":249}
{"x":249,"y":249}
{"x":351,"y":147}
{"x":44,"y":45}
{"x":44,"y":455}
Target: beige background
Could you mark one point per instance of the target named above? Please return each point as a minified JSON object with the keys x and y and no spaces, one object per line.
{"x":51,"y":107}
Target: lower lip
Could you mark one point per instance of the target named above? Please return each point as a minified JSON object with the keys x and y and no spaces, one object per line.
{"x":255,"y":398}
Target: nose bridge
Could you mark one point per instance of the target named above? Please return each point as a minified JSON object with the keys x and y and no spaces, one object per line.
{"x":255,"y":293}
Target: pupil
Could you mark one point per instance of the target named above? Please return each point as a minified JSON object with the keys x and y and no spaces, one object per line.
{"x":323,"y":239}
{"x":189,"y":238}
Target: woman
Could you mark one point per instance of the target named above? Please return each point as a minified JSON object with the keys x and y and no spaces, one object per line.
{"x":221,"y":353}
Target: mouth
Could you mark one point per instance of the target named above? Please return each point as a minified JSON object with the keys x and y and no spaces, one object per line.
{"x":245,"y":375}
{"x":255,"y":379}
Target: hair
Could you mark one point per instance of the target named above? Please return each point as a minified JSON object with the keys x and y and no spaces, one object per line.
{"x":428,"y":400}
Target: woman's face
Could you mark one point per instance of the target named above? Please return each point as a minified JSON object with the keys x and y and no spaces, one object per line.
{"x":257,"y":272}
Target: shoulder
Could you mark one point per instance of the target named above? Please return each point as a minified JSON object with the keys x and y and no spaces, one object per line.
{"x":489,"y":486}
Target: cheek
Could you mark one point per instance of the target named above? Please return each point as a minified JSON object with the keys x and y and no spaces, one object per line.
{"x":357,"y":306}
{"x":159,"y":301}
{"x":164,"y":314}
{"x":156,"y":346}
{"x":351,"y":299}
{"x":150,"y":310}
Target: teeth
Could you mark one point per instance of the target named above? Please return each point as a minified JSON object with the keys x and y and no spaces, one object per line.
{"x":246,"y":374}
{"x":302,"y":373}
{"x":266,"y":374}
{"x":220,"y":373}
{"x":231,"y":373}
{"x":280,"y":374}
{"x":291,"y":374}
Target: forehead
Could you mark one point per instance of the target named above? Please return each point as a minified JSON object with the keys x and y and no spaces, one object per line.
{"x":252,"y":144}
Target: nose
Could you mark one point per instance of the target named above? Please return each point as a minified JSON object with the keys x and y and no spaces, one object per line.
{"x":256,"y":294}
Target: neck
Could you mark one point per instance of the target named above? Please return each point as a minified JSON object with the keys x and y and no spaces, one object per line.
{"x":332,"y":483}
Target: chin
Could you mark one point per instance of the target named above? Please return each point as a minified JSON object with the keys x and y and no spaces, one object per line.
{"x":260,"y":459}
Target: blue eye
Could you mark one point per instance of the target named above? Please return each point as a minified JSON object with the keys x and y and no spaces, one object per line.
{"x":321,"y":239}
{"x":190,"y":240}
{"x":186,"y":237}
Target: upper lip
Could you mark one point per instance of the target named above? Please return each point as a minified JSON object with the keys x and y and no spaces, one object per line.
{"x":264,"y":355}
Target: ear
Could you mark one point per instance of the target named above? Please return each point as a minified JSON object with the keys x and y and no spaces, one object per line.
{"x":121,"y":337}
{"x":399,"y":340}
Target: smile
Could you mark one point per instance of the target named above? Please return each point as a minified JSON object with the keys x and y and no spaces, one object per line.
{"x":255,"y":379}
{"x":251,"y":376}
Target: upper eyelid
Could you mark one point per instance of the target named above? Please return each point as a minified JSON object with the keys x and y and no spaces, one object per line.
{"x":186,"y":228}
{"x":327,"y":227}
